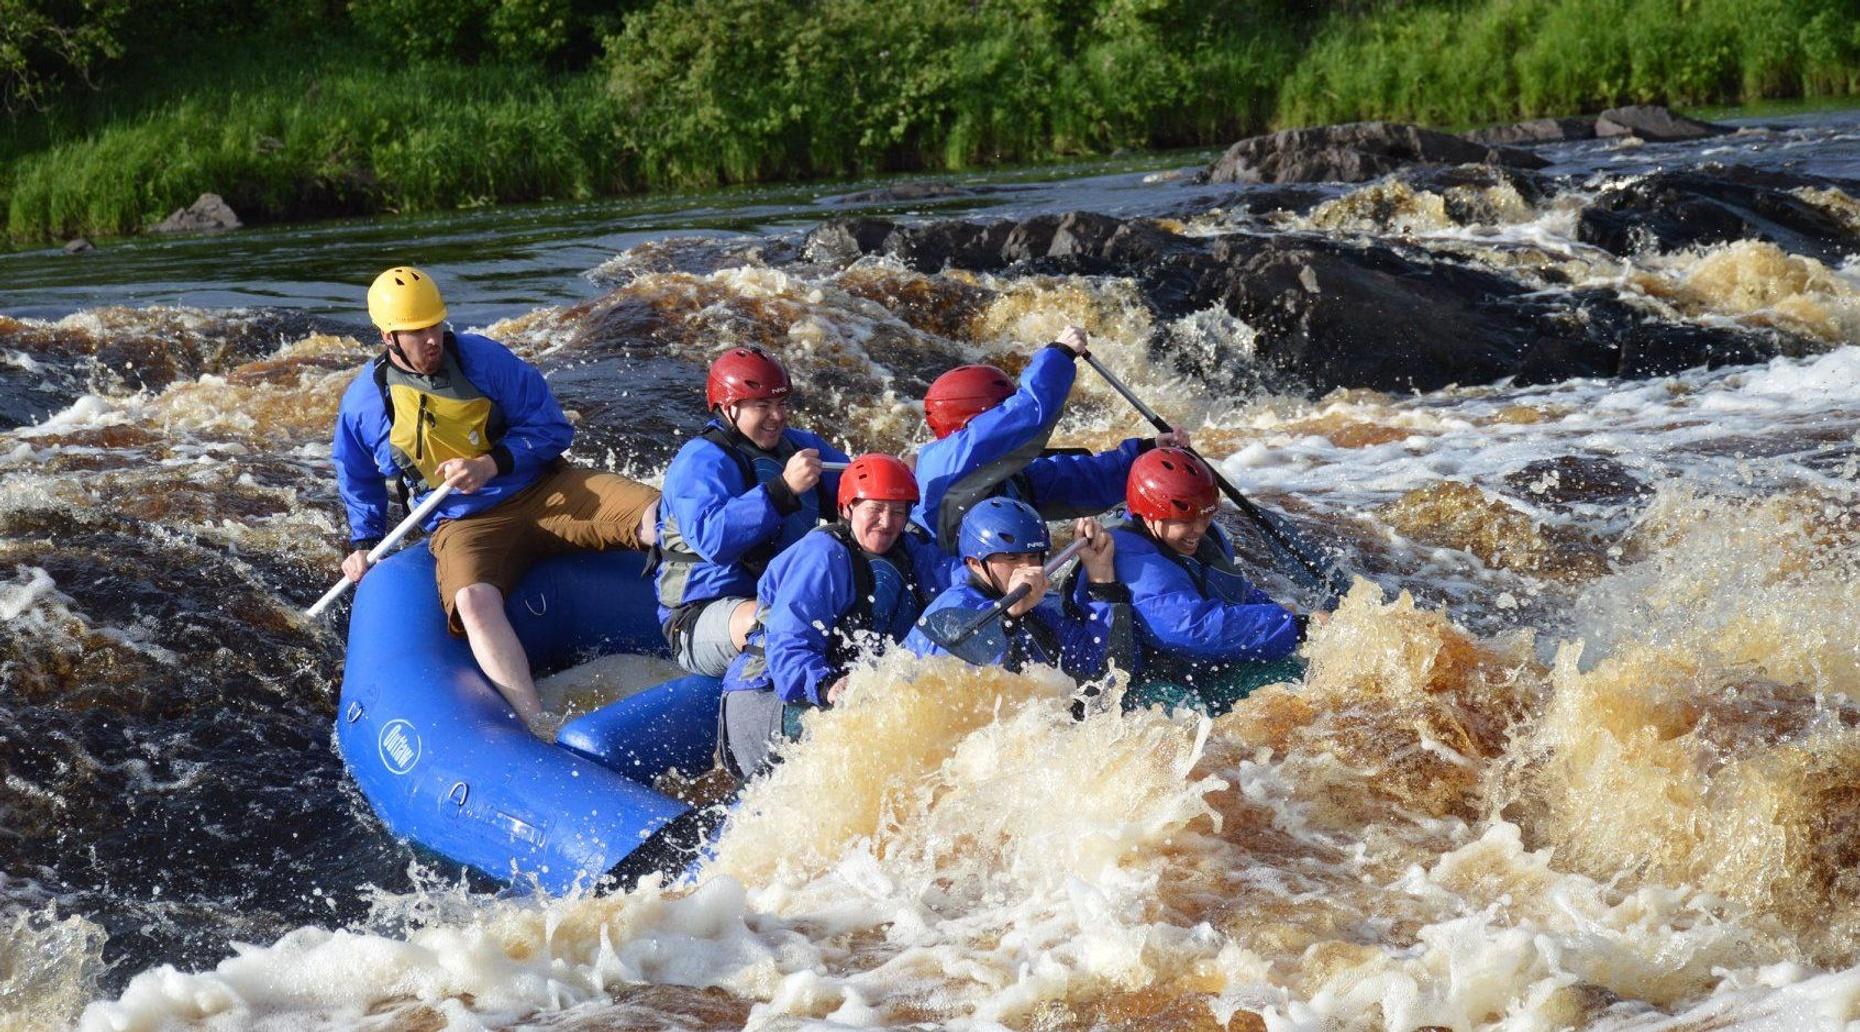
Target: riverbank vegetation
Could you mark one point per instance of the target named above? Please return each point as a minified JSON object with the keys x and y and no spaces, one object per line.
{"x":123,"y":110}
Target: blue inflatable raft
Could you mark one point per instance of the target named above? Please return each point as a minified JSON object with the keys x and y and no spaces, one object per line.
{"x":446,"y":763}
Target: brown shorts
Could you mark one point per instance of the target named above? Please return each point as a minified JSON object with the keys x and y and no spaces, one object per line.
{"x":566,"y":510}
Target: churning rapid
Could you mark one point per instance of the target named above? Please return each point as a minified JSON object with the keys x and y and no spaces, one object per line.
{"x":1581,"y":749}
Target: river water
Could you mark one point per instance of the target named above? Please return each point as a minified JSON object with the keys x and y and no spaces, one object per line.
{"x":1585,"y":752}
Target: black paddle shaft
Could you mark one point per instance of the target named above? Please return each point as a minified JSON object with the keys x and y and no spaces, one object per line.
{"x":1325,"y":573}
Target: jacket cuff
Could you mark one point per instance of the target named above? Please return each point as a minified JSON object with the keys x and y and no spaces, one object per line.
{"x":505,"y":461}
{"x":364,"y":544}
{"x":1066,"y":351}
{"x":783,"y":497}
{"x":1146,"y":444}
{"x":817,"y":695}
{"x":1303,"y":620}
{"x":1114,"y":592}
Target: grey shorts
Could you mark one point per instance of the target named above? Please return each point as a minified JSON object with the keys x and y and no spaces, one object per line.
{"x":706,"y":647}
{"x":749,"y":727}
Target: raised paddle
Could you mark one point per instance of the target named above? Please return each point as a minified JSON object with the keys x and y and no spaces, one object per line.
{"x":1324,"y":572}
{"x":829,"y":466}
{"x":955,"y":629}
{"x":375,"y":554}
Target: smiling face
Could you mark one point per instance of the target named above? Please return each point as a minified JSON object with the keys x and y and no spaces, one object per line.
{"x":1181,"y":536}
{"x":761,"y":420}
{"x":424,"y":350}
{"x":876,"y":525}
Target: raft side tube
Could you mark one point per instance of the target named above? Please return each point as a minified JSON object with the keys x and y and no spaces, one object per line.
{"x":670,"y":727}
{"x":445,"y":762}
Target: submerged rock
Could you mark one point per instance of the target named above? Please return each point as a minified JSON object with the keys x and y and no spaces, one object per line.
{"x":208,"y":214}
{"x":1352,"y":153}
{"x":78,"y":245}
{"x":922,"y":191}
{"x":1570,"y":479}
{"x":1654,"y":124}
{"x":1715,"y":204}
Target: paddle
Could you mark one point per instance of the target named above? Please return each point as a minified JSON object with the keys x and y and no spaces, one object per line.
{"x":375,"y":554}
{"x":1322,"y":571}
{"x":957,"y":629}
{"x":829,"y":466}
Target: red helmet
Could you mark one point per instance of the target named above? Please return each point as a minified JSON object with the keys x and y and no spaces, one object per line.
{"x":877,"y":477}
{"x":741,"y":374}
{"x":1171,"y":484}
{"x":962,"y":394}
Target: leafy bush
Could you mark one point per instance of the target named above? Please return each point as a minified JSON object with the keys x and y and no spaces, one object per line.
{"x":559,"y":33}
{"x":731,"y":90}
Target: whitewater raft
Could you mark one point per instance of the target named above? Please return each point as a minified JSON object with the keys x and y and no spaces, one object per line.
{"x":446,"y":763}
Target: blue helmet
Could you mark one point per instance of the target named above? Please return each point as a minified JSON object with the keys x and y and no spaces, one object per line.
{"x":1003,"y":525}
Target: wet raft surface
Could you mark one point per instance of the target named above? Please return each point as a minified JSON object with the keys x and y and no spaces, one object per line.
{"x":1449,"y":822}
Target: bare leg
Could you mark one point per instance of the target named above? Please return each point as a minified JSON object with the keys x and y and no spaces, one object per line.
{"x":741,"y":621}
{"x":649,"y":525}
{"x":494,"y":642}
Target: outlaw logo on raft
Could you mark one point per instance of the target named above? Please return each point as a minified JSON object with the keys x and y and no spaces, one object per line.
{"x":400,"y":746}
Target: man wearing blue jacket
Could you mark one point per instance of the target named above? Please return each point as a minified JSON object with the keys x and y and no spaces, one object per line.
{"x":1004,"y":544}
{"x":437,"y":407}
{"x":991,"y":439}
{"x":736,"y":495}
{"x":842,"y":592}
{"x":1207,"y":636}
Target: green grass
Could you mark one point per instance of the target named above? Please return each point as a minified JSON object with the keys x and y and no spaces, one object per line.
{"x":305,"y":143}
{"x":1467,"y":63}
{"x":698,"y":93}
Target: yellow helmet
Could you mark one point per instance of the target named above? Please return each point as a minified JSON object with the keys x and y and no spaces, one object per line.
{"x":404,"y":298}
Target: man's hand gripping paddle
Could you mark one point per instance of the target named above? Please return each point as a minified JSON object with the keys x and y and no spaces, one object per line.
{"x":977,"y":637}
{"x":380,"y":551}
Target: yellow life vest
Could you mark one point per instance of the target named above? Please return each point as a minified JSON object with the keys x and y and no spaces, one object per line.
{"x":436,"y":418}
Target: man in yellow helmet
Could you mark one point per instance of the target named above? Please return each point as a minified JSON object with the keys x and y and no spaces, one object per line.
{"x":436,"y":406}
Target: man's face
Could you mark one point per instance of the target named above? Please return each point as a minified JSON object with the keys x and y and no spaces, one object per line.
{"x":761,"y":420}
{"x":876,"y":525}
{"x":998,"y":568}
{"x":425,"y":350}
{"x":1182,"y":536}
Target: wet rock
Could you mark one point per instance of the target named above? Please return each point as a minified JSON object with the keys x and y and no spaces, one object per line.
{"x":1333,"y":314}
{"x":1533,"y":187}
{"x":1352,"y":153}
{"x":209,"y":213}
{"x":839,"y":241}
{"x":932,"y":247}
{"x":1083,"y":233}
{"x":1654,"y":124}
{"x":1533,"y":131}
{"x":1171,"y":175}
{"x":1715,"y":204}
{"x":78,"y":245}
{"x":1566,"y":479}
